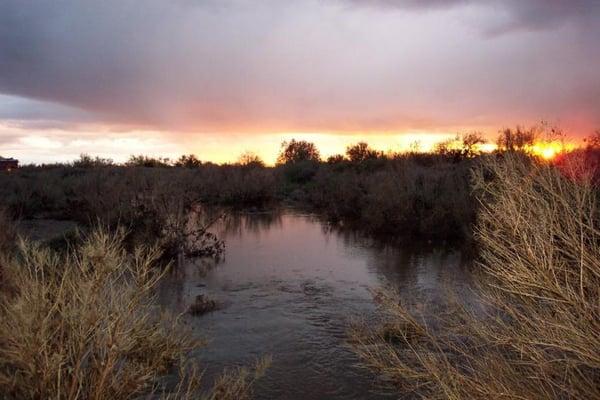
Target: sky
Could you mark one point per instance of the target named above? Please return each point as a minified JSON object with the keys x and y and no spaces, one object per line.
{"x":219,"y":77}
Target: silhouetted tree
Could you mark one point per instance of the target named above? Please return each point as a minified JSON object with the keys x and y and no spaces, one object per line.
{"x":297,"y":151}
{"x":461,"y":147}
{"x":250,"y":159}
{"x":335,"y":159}
{"x":471,"y":143}
{"x":87,"y":161}
{"x":593,"y":141}
{"x":361,"y":152}
{"x":447,"y":148}
{"x":147,"y":161}
{"x":517,"y":139}
{"x":188,"y":161}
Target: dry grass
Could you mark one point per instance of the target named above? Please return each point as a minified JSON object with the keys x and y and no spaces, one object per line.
{"x":538,"y":336}
{"x":84,"y":325}
{"x":232,"y":384}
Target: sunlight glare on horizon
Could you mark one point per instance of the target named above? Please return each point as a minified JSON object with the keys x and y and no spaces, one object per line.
{"x":268,"y":146}
{"x":550,"y":149}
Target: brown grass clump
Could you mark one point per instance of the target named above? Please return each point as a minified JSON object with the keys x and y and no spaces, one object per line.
{"x":84,"y":325}
{"x":232,"y":384}
{"x":537,"y":334}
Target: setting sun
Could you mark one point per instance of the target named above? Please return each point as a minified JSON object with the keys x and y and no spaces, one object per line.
{"x":299,"y":199}
{"x":549,"y":150}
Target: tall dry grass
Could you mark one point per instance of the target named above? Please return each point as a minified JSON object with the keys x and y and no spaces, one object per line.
{"x":85,"y":325}
{"x":537,"y":332}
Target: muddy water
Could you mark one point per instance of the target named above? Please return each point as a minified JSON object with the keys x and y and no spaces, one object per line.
{"x":288,"y":286}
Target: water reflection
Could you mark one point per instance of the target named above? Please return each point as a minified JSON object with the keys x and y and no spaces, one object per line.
{"x":238,"y":224}
{"x":288,"y":285}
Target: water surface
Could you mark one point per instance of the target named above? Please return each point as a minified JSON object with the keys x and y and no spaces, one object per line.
{"x":288,"y":286}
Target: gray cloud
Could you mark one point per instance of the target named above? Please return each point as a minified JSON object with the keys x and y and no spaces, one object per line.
{"x":409,"y":4}
{"x":39,"y":114}
{"x":510,"y":15}
{"x":302,"y":65}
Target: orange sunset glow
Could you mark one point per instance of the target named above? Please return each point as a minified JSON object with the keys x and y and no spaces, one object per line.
{"x":299,"y":199}
{"x":222,"y":78}
{"x":549,"y":150}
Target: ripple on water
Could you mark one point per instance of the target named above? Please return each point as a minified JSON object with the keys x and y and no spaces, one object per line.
{"x":289,"y":289}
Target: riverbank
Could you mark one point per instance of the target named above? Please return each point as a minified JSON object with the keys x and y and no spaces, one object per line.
{"x":535,"y":225}
{"x":417,"y":197}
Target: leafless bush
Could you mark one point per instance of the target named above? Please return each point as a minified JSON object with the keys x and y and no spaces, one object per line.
{"x":538,"y":336}
{"x":85,"y":325}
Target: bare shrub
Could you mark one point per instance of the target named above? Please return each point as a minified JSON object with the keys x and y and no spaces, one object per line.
{"x":517,"y":139}
{"x":361,"y":152}
{"x":537,"y":335}
{"x":87,"y":161}
{"x":249,"y":159}
{"x":188,"y":161}
{"x":461,"y":147}
{"x":85,"y":325}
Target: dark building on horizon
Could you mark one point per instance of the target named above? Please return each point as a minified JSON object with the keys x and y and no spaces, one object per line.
{"x":7,"y":164}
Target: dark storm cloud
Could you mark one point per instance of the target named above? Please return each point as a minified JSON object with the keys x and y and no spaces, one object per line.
{"x":85,"y":54}
{"x":149,"y":63}
{"x":306,"y":64}
{"x":36,"y":113}
{"x":511,"y":15}
{"x":409,"y":4}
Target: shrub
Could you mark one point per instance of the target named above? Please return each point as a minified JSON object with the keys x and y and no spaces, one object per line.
{"x":250,"y":160}
{"x":148,"y":162}
{"x":461,"y":147}
{"x":335,"y":159}
{"x":517,"y":139}
{"x":87,"y":161}
{"x":401,"y":196}
{"x":84,"y":325}
{"x":189,"y":161}
{"x":537,"y":333}
{"x":300,"y":172}
{"x":361,"y":152}
{"x":298,"y":151}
